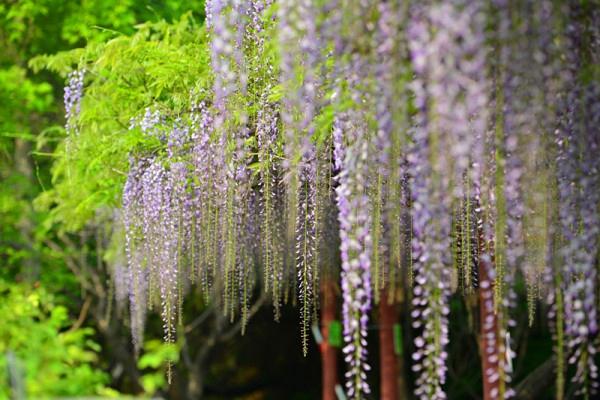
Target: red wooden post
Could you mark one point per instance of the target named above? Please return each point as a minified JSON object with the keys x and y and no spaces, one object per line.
{"x":328,"y":352}
{"x":387,"y":355}
{"x":489,"y":342}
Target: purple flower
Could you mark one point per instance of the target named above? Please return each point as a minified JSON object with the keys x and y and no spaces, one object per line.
{"x":270,"y":201}
{"x":579,"y":193}
{"x":355,"y":251}
{"x":134,"y":250}
{"x":72,"y":98}
{"x":298,"y":35}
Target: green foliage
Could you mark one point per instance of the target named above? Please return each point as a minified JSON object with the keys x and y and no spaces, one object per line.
{"x":157,"y":356}
{"x":54,"y":359}
{"x":28,"y":23}
{"x":31,"y":102}
{"x":155,"y":67}
{"x":19,"y":92}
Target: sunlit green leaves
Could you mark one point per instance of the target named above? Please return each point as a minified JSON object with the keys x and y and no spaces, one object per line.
{"x":155,"y":67}
{"x":53,"y":359}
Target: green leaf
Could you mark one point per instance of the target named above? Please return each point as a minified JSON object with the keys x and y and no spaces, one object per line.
{"x":335,"y":334}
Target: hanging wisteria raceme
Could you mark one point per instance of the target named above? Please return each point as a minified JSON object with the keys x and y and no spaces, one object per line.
{"x":229,"y":22}
{"x":391,"y":143}
{"x":140,"y":209}
{"x":205,"y":164}
{"x":578,"y":189}
{"x":72,"y":99}
{"x":181,"y":205}
{"x":506,"y":197}
{"x":517,"y":128}
{"x":119,"y":266}
{"x":543,"y":56}
{"x":134,"y":248}
{"x":451,"y":61}
{"x":157,"y":212}
{"x":325,"y":258}
{"x":355,"y":251}
{"x":244,"y":208}
{"x":156,"y":252}
{"x":583,"y":331}
{"x":455,"y":56}
{"x":382,"y":170}
{"x":226,"y":25}
{"x":267,"y":132}
{"x":305,"y":237}
{"x":298,"y":35}
{"x":360,"y":190}
{"x":579,"y":194}
{"x":431,"y":282}
{"x":166,"y":260}
{"x":447,"y":51}
{"x":202,"y":170}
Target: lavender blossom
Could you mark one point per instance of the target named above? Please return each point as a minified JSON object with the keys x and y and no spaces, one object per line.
{"x":298,"y":35}
{"x":431,"y":282}
{"x":203,"y":188}
{"x":72,"y":98}
{"x":267,"y":132}
{"x":134,"y":250}
{"x":228,"y":24}
{"x":355,"y":250}
{"x":119,"y":263}
{"x":429,"y":162}
{"x":579,"y":191}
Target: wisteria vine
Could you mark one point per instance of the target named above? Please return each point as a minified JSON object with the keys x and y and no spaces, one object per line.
{"x":456,"y":142}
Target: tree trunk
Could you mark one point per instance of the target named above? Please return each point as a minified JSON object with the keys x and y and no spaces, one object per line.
{"x":195,"y":386}
{"x":387,"y":354}
{"x":328,"y":352}
{"x":22,"y":162}
{"x":489,"y":342}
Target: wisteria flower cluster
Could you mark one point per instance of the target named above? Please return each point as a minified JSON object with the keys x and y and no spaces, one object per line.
{"x":72,"y":98}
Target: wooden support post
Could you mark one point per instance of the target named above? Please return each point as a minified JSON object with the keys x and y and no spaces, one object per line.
{"x":387,"y":355}
{"x":328,"y":352}
{"x":489,"y":342}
